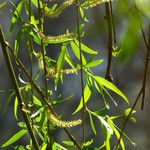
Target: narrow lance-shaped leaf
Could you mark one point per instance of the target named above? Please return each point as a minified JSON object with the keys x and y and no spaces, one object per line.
{"x":87,"y":94}
{"x":93,"y":63}
{"x":76,"y":51}
{"x":109,"y":85}
{"x":92,"y":123}
{"x":85,"y":48}
{"x":15,"y":17}
{"x":15,"y":138}
{"x":117,"y":133}
{"x":69,"y":61}
{"x":102,"y":120}
{"x":8,"y":101}
{"x":3,"y":4}
{"x":16,"y":108}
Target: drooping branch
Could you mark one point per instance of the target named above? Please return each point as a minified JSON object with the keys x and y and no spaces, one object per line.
{"x":110,"y":38}
{"x":81,"y":70}
{"x":142,"y":90}
{"x":39,"y":91}
{"x":19,"y":96}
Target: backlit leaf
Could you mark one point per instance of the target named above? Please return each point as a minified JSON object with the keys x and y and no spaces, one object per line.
{"x":85,"y":48}
{"x":15,"y":138}
{"x":87,"y":94}
{"x":109,"y":85}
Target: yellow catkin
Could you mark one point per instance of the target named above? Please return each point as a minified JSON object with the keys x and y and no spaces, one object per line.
{"x":61,"y":123}
{"x":59,"y":9}
{"x":93,"y":3}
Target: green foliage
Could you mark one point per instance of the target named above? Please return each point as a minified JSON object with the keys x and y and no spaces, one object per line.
{"x":38,"y":108}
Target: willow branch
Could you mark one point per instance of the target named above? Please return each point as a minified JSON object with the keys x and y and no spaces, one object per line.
{"x":81,"y":70}
{"x":15,"y":83}
{"x":109,"y":24}
{"x":142,"y":90}
{"x":38,"y":90}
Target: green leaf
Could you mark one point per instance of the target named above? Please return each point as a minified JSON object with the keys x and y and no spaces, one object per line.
{"x":16,"y":108}
{"x":61,"y":58}
{"x":102,"y":120}
{"x":85,"y":48}
{"x":117,"y":133}
{"x":102,"y":111}
{"x":8,"y":101}
{"x":76,"y":51}
{"x":92,"y":123}
{"x":44,"y":146}
{"x":87,"y":94}
{"x":37,"y":101}
{"x":69,"y":61}
{"x":15,"y":138}
{"x":108,"y":127}
{"x":18,"y":39}
{"x":16,"y":15}
{"x":94,"y":63}
{"x":88,"y":143}
{"x":127,"y":111}
{"x":57,"y":146}
{"x":68,"y":143}
{"x":109,"y":85}
{"x":3,"y":4}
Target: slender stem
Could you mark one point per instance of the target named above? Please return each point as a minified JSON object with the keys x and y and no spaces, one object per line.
{"x":109,"y":24}
{"x":141,"y":93}
{"x":15,"y":83}
{"x":81,"y":70}
{"x":147,"y":58}
{"x":113,"y":24}
{"x":31,"y":61}
{"x":39,"y":91}
{"x":73,"y":139}
{"x":41,"y":18}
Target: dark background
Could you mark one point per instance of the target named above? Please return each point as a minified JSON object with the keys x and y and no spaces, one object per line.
{"x":126,"y":71}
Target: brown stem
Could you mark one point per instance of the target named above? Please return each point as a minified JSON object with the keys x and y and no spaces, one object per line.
{"x":15,"y":83}
{"x":38,"y":90}
{"x":141,"y":93}
{"x":109,"y":24}
{"x":81,"y":70}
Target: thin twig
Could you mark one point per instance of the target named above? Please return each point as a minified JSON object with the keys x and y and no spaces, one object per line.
{"x":113,"y":24}
{"x":41,"y":18}
{"x":81,"y":70}
{"x":15,"y":83}
{"x":38,"y":90}
{"x":31,"y":61}
{"x":141,"y":93}
{"x":109,"y":24}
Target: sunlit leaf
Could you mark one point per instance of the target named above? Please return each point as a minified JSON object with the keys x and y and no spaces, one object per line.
{"x":16,"y":108}
{"x":44,"y":146}
{"x":68,"y":143}
{"x":109,"y":85}
{"x":37,"y":101}
{"x":117,"y":133}
{"x":85,"y":48}
{"x":127,"y":111}
{"x":15,"y":137}
{"x":76,"y":51}
{"x":88,"y":143}
{"x":93,"y":63}
{"x":57,"y":146}
{"x":87,"y":94}
{"x":3,"y":4}
{"x":92,"y":124}
{"x":16,"y":14}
